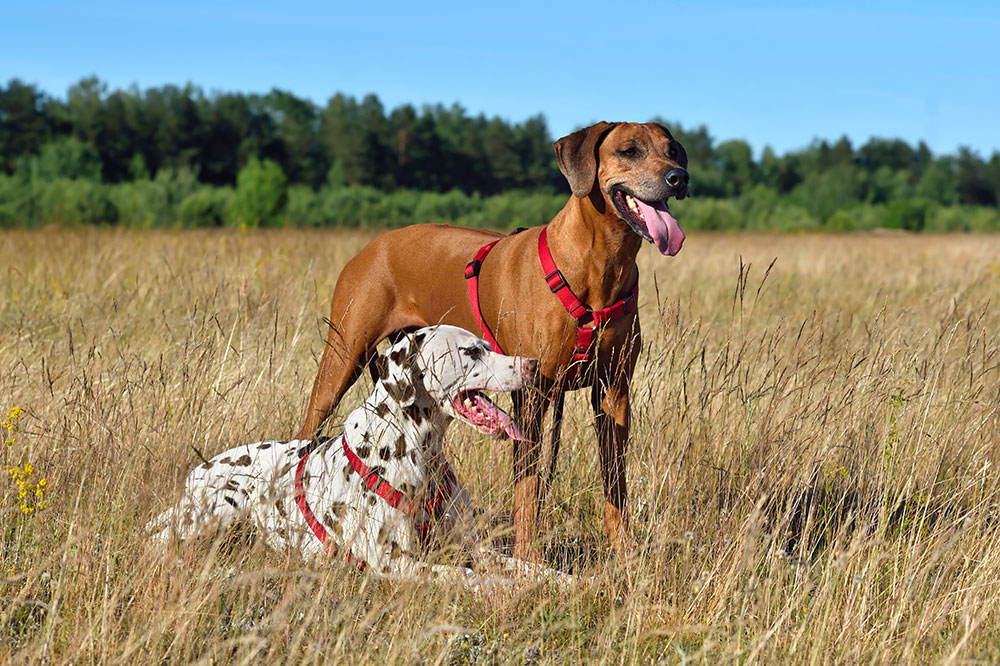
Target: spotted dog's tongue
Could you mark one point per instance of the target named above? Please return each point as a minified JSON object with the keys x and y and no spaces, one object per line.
{"x":662,"y":227}
{"x":500,"y":419}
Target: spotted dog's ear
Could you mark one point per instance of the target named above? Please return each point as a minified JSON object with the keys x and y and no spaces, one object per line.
{"x":397,"y":371}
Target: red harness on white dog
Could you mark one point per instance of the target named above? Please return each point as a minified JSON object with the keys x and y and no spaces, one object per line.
{"x":380,"y":487}
{"x":588,"y":321}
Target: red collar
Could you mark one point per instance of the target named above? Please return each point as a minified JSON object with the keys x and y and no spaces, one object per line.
{"x":380,"y":487}
{"x":588,"y":321}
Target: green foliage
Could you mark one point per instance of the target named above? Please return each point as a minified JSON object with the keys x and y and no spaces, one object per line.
{"x":150,"y":154}
{"x":909,"y":214}
{"x":261,"y":194}
{"x":73,"y":202}
{"x":66,"y":157}
{"x":206,"y":207}
{"x":142,"y":204}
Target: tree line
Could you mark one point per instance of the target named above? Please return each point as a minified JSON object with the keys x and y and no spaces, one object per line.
{"x":173,"y":155}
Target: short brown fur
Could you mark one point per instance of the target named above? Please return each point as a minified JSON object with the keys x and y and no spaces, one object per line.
{"x":413,"y":277}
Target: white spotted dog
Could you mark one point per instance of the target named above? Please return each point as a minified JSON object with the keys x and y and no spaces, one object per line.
{"x":371,"y":493}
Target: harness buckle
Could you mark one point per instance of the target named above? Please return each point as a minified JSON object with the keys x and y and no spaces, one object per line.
{"x":628,"y":304}
{"x":472,"y":269}
{"x":559,"y":285}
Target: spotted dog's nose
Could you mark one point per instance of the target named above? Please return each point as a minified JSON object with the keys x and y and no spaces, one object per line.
{"x":678,"y":180}
{"x":529,"y":369}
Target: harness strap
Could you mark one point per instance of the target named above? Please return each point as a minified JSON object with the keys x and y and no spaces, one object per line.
{"x":307,"y":513}
{"x":577,"y":309}
{"x":588,"y":321}
{"x":395,"y":498}
{"x":472,"y":280}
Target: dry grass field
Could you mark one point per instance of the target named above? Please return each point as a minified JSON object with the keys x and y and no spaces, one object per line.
{"x":814,"y":470}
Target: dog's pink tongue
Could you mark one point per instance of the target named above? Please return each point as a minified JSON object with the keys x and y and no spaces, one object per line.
{"x":500,"y":417}
{"x":662,"y":226}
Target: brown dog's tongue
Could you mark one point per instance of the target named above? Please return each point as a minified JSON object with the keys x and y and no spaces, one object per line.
{"x":662,"y":227}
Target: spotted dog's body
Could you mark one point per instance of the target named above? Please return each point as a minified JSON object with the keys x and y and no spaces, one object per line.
{"x":425,"y":382}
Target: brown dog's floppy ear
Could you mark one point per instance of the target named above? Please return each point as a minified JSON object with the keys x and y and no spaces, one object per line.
{"x":577,"y":156}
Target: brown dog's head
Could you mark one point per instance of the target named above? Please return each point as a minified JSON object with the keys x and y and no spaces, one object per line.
{"x":636,"y":168}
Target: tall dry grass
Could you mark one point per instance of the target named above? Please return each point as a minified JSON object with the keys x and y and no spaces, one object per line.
{"x":813,"y":472}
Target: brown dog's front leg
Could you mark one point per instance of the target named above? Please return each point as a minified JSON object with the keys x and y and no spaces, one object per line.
{"x":530,"y":408}
{"x":613,"y":416}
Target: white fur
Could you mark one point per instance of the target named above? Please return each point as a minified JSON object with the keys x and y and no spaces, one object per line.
{"x":399,"y":430}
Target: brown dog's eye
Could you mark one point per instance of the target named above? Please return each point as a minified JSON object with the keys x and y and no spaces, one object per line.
{"x":672,"y":153}
{"x":631,"y":152}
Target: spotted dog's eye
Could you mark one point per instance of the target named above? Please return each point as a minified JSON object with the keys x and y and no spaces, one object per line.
{"x":631,"y":152}
{"x":473,"y":352}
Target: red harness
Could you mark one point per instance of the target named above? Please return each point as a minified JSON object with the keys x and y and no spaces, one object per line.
{"x":577,"y":309}
{"x":380,"y":487}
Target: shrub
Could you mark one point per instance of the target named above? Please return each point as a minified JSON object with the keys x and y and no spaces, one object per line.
{"x":16,"y":202}
{"x":709,"y":214}
{"x":73,"y":202}
{"x":840,"y":221}
{"x":304,"y":208}
{"x":434,"y":207}
{"x":983,"y":219}
{"x":946,"y":218}
{"x":909,"y":214}
{"x":67,"y":157}
{"x":207,"y":207}
{"x":349,"y":206}
{"x":142,"y":204}
{"x":261,"y":194}
{"x":790,"y":217}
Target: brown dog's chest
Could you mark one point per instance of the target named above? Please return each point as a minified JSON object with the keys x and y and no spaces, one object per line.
{"x":536,"y":325}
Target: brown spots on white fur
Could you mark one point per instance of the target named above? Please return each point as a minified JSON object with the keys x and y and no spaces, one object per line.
{"x":261,"y":485}
{"x":401,"y":392}
{"x":400,"y":447}
{"x":414,"y":413}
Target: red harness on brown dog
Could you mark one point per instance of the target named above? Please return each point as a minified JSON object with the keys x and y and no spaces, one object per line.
{"x":380,"y":487}
{"x":585,"y":334}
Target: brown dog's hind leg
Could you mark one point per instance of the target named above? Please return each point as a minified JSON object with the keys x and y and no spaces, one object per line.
{"x":363,"y":312}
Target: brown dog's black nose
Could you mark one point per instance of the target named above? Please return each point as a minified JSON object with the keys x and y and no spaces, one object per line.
{"x":678,"y":179}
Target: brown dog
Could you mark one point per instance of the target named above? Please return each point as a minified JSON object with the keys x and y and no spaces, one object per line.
{"x":621,"y":176}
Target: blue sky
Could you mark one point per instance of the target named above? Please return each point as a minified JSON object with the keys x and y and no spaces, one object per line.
{"x":773,"y":73}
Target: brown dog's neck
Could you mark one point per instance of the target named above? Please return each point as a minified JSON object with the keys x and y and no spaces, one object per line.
{"x":594,"y":250}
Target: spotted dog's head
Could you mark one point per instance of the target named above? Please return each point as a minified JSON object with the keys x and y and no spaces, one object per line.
{"x":448,"y":368}
{"x":631,"y":169}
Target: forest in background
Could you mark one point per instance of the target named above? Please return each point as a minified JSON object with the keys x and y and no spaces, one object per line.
{"x":174,"y":156}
